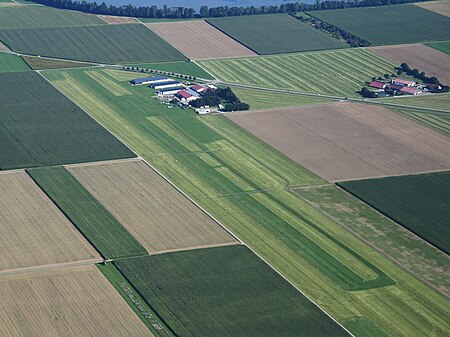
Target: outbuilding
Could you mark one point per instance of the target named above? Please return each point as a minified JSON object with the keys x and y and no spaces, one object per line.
{"x":199,"y":88}
{"x":403,"y":83}
{"x":150,"y":80}
{"x":164,"y":85}
{"x":170,"y":91}
{"x":410,"y":91}
{"x":185,"y":96}
{"x":378,"y":85}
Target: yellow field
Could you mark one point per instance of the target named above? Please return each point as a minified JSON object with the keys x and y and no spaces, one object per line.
{"x":153,"y":211}
{"x":71,"y":302}
{"x":33,"y":231}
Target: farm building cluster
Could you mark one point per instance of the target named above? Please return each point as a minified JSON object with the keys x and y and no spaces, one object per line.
{"x":399,"y":86}
{"x":172,"y":90}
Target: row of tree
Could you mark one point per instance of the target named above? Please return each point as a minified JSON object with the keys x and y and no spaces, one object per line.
{"x":404,"y":68}
{"x":206,"y":12}
{"x":159,"y":72}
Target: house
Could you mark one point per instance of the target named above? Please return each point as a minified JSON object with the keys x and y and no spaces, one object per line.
{"x":433,"y":87}
{"x":150,"y":80}
{"x":165,"y":85}
{"x":410,"y":91}
{"x":170,"y":91}
{"x":403,"y":83}
{"x":199,"y":88}
{"x":192,"y":92}
{"x":185,"y":97}
{"x":378,"y":85}
{"x":203,"y":111}
{"x":395,"y":87}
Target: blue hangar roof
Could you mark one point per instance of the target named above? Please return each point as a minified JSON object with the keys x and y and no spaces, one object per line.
{"x":171,"y":89}
{"x":156,"y":84}
{"x":147,"y":79}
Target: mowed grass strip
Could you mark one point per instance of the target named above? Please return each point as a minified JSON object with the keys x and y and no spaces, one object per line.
{"x":39,"y":126}
{"x":70,"y":302}
{"x":389,"y":24}
{"x":225,"y":291}
{"x":421,"y":203}
{"x":275,"y":34}
{"x":104,"y":44}
{"x":12,"y":63}
{"x":98,"y":225}
{"x":338,"y":72}
{"x":39,"y":17}
{"x":34,"y":231}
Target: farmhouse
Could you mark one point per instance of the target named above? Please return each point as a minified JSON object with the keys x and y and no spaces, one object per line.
{"x":410,"y":91}
{"x":170,"y":91}
{"x":165,"y":85}
{"x":378,"y":85}
{"x":185,"y":96}
{"x":199,"y":88}
{"x":403,"y":83}
{"x":150,"y":80}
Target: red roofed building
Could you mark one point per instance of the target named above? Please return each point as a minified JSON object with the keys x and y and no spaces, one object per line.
{"x":410,"y":91}
{"x":395,"y":87}
{"x":185,"y":96}
{"x":198,"y":88}
{"x":403,"y":83}
{"x":379,"y":85}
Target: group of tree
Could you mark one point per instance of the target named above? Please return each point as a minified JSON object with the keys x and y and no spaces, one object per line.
{"x":206,"y":12}
{"x":225,"y":96}
{"x":367,"y":93}
{"x":404,"y":68}
{"x":160,"y":72}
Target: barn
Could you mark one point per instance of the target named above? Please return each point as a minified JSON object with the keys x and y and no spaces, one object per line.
{"x":165,"y":85}
{"x":403,"y":83}
{"x":150,"y":80}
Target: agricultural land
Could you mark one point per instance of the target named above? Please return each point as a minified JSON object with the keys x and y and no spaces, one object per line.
{"x":212,"y":45}
{"x":115,"y":20}
{"x":39,"y":63}
{"x":102,"y":44}
{"x":34,"y":231}
{"x":337,"y":72}
{"x":389,"y":24}
{"x":152,"y":210}
{"x":440,"y":7}
{"x":179,"y":67}
{"x":72,"y":302}
{"x":322,"y":139}
{"x":426,"y":59}
{"x":440,"y":122}
{"x":441,"y":46}
{"x":12,"y":63}
{"x":286,"y":34}
{"x":40,"y":126}
{"x":242,"y":182}
{"x":98,"y":225}
{"x":225,"y":291}
{"x":420,"y":203}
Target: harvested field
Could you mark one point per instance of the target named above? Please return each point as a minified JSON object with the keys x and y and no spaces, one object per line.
{"x":4,"y":48}
{"x":440,"y":7}
{"x":114,"y":20}
{"x":40,"y":63}
{"x":4,"y":4}
{"x":347,"y":141}
{"x":74,"y":302}
{"x":34,"y":231}
{"x":213,"y":44}
{"x":424,"y":58}
{"x":151,"y":209}
{"x":441,"y":46}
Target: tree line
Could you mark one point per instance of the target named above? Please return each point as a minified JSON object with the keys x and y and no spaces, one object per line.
{"x":214,"y":12}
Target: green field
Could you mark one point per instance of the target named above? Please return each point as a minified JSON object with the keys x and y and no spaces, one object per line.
{"x":242,"y":182}
{"x":40,"y":17}
{"x":389,"y":24}
{"x":437,"y":101}
{"x":39,"y":126}
{"x":97,"y":225}
{"x":107,"y":44}
{"x":224,"y":292}
{"x":11,"y":63}
{"x":40,"y":63}
{"x":285,"y":35}
{"x":339,"y":72}
{"x":420,"y":203}
{"x":441,"y":46}
{"x":440,"y":122}
{"x":183,"y":67}
{"x":269,"y":100}
{"x":382,"y":233}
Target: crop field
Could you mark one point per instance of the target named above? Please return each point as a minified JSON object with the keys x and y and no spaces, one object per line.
{"x":21,"y":17}
{"x":323,"y":139}
{"x":153,"y":211}
{"x":389,"y":24}
{"x":338,"y":72}
{"x":114,"y":20}
{"x":34,"y":231}
{"x":242,"y":182}
{"x":286,"y":34}
{"x":180,"y":67}
{"x":421,"y":203}
{"x":410,"y":252}
{"x":224,"y":292}
{"x":440,"y":7}
{"x":437,"y":102}
{"x":40,"y":63}
{"x":441,"y":46}
{"x":213,"y":43}
{"x":429,"y":60}
{"x":106,"y":43}
{"x":40,"y":126}
{"x":440,"y":122}
{"x":73,"y":302}
{"x":91,"y":218}
{"x":12,"y":63}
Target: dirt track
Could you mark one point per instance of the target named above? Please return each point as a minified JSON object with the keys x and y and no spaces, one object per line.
{"x":199,"y":40}
{"x":346,"y":141}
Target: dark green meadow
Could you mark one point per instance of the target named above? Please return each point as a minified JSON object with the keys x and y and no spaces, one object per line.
{"x":93,"y":220}
{"x":274,"y":34}
{"x":39,"y":126}
{"x":421,"y":203}
{"x":225,"y":291}
{"x":389,"y":24}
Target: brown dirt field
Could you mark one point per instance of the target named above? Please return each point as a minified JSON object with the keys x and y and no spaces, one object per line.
{"x":33,"y":231}
{"x":345,"y":141}
{"x":9,"y":4}
{"x":74,"y":302}
{"x":153,"y":211}
{"x":210,"y":43}
{"x":3,"y":47}
{"x":440,"y":7}
{"x":116,"y":20}
{"x":431,"y":61}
